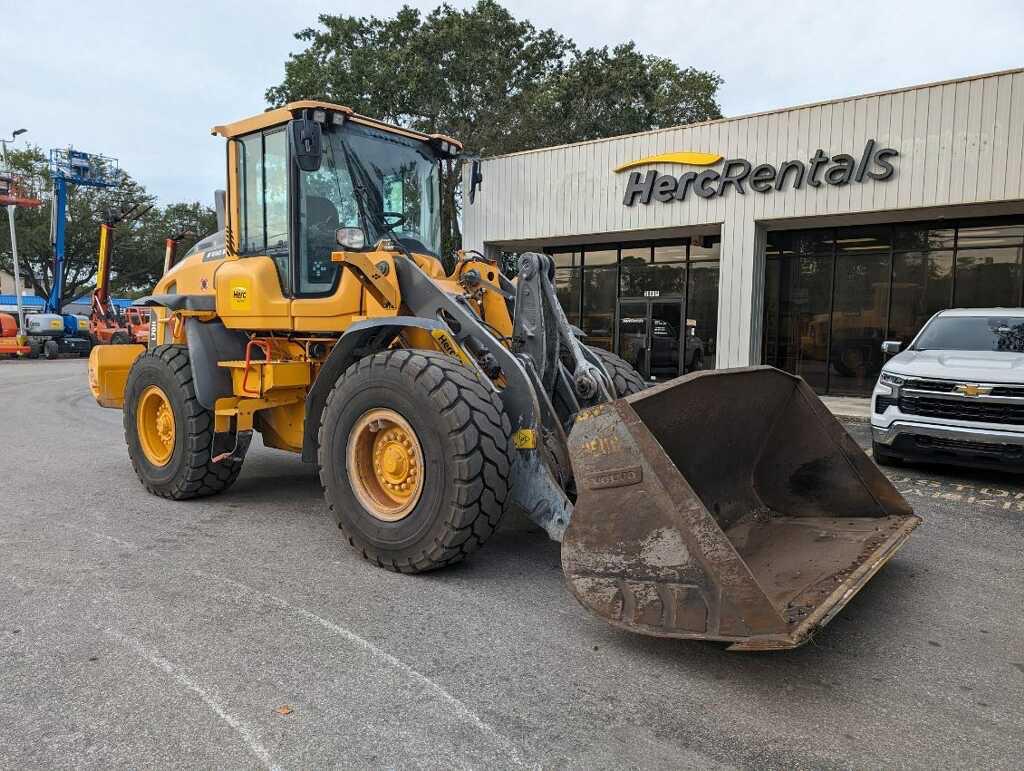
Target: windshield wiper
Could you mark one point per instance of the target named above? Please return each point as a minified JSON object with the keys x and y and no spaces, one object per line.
{"x":362,"y":183}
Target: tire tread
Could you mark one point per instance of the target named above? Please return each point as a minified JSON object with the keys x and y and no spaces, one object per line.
{"x":203,"y":477}
{"x":626,"y":379}
{"x":473,"y":413}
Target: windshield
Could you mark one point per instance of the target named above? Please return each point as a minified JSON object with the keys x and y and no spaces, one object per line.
{"x":972,"y":333}
{"x":368,"y":179}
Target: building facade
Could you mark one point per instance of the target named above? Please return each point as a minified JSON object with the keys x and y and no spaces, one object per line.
{"x":800,"y":238}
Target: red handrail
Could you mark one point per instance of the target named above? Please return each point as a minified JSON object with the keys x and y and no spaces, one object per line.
{"x":264,"y":346}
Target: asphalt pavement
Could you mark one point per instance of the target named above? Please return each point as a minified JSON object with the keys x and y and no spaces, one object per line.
{"x":241,"y":631}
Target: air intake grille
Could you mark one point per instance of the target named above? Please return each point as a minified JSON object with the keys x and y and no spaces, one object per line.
{"x":982,"y":412}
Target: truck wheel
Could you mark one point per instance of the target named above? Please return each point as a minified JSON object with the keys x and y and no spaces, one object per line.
{"x":51,"y":349}
{"x":626,"y":379}
{"x":168,"y":432}
{"x":415,"y":455}
{"x":120,"y":338}
{"x":882,"y":455}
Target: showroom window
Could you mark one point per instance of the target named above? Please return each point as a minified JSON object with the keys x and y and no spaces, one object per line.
{"x":653,"y":303}
{"x":833,"y":295}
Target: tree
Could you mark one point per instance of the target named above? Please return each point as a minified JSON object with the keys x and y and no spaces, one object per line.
{"x":138,"y":247}
{"x":495,"y":82}
{"x":138,"y":250}
{"x":601,"y":93}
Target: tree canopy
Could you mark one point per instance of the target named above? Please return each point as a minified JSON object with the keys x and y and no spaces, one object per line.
{"x":494,"y":82}
{"x":138,"y":247}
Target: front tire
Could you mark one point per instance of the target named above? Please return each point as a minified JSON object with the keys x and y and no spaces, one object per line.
{"x":415,"y":457}
{"x":168,"y":432}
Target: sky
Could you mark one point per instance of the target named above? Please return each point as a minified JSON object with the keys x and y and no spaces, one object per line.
{"x":144,"y":81}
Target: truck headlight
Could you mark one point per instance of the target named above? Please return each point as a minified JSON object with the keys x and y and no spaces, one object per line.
{"x":890,"y":379}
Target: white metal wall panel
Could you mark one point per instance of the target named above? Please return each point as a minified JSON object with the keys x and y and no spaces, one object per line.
{"x":959,"y":142}
{"x":1015,"y":145}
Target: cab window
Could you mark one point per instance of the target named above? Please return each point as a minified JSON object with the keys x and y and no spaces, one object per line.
{"x":263,"y":182}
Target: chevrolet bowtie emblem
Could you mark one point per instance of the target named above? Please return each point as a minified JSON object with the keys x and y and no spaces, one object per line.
{"x":973,"y":390}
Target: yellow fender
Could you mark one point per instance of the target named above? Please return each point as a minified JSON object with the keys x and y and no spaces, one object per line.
{"x":108,"y":372}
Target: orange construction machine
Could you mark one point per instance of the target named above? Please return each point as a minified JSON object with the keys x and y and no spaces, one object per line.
{"x":10,"y":343}
{"x":106,"y":324}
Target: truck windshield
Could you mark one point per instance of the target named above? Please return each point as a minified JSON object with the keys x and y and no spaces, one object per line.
{"x":368,"y":178}
{"x":972,"y":333}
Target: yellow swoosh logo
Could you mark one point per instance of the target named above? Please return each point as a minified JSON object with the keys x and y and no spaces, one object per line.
{"x":688,"y":158}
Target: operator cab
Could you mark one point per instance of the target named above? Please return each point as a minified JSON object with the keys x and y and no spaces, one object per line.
{"x":313,"y":178}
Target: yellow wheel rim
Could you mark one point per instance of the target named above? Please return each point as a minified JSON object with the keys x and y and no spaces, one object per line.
{"x":154,"y":420}
{"x":385,"y":464}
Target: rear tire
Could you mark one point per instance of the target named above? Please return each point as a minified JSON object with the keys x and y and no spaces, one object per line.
{"x":188,"y":471}
{"x":51,"y":349}
{"x":626,"y":379}
{"x":120,"y":338}
{"x":882,"y":455}
{"x":463,"y":438}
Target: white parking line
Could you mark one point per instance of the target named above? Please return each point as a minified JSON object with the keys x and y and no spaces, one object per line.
{"x":246,"y":732}
{"x":384,"y":657}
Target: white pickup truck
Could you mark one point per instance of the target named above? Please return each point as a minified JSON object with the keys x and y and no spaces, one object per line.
{"x":956,"y":394}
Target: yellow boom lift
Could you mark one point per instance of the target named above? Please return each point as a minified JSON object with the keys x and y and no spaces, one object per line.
{"x":723,"y":505}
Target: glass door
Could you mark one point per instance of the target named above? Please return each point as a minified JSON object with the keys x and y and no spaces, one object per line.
{"x":650,"y":335}
{"x":632,"y":334}
{"x":666,"y":336}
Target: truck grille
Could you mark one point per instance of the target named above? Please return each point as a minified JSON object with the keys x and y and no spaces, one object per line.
{"x":948,"y":387}
{"x":1007,"y":391}
{"x":939,"y":386}
{"x":982,"y":412}
{"x":960,"y":445}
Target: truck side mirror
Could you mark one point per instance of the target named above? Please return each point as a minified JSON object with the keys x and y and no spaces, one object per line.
{"x":891,"y":347}
{"x":306,"y":138}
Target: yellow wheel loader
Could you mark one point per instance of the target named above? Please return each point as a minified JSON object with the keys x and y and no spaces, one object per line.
{"x":722,"y":505}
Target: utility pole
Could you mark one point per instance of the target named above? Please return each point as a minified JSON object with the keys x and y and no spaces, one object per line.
{"x":14,"y":239}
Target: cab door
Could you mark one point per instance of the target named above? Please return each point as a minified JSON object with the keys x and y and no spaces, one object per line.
{"x":252,"y":290}
{"x":325,"y":298}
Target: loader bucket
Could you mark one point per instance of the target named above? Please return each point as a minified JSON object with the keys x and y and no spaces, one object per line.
{"x":726,"y":505}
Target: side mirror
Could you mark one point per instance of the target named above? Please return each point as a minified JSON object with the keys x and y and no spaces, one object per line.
{"x":891,"y":347}
{"x":350,"y":238}
{"x":306,"y":139}
{"x":476,"y":179}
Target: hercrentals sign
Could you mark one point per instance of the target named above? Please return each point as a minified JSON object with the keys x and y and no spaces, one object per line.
{"x":841,"y":169}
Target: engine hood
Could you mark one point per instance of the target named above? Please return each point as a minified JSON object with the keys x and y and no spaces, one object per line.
{"x":968,"y":366}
